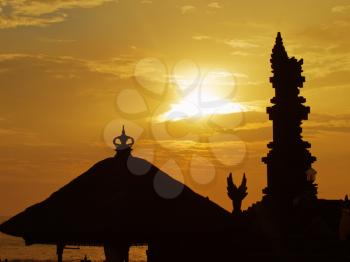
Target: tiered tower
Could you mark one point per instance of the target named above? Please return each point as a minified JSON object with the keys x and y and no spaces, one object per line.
{"x":289,"y":172}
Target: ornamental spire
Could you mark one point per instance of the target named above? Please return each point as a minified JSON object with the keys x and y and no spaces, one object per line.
{"x":123,"y":139}
{"x":279,"y":53}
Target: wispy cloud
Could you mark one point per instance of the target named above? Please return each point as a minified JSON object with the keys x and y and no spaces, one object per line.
{"x":201,"y":37}
{"x":330,"y":123}
{"x":20,"y":136}
{"x":57,"y":41}
{"x":342,"y":23}
{"x":121,"y":66}
{"x":16,"y":21}
{"x":214,"y":5}
{"x":239,"y":43}
{"x":40,"y":13}
{"x":146,"y":2}
{"x":240,"y":53}
{"x":234,"y":43}
{"x":187,"y":9}
{"x":341,"y":8}
{"x":324,"y":63}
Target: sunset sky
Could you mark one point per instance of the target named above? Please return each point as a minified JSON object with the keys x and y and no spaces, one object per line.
{"x":72,"y":72}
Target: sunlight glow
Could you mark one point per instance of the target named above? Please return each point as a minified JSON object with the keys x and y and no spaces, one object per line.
{"x":212,"y":95}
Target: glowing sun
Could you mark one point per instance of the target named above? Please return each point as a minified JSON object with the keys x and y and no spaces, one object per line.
{"x":198,"y":97}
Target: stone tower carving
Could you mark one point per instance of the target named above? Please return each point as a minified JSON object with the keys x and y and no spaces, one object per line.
{"x":289,"y":172}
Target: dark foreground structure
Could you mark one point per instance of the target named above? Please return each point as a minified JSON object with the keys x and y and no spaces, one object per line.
{"x":124,"y":201}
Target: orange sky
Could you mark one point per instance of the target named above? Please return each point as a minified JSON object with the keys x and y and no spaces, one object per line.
{"x":72,"y":72}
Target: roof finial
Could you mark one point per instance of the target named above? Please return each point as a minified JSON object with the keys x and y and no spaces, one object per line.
{"x":279,"y":36}
{"x":123,"y":139}
{"x":279,"y":43}
{"x":279,"y":53}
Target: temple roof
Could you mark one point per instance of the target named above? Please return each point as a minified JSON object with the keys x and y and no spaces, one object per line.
{"x":117,"y":197}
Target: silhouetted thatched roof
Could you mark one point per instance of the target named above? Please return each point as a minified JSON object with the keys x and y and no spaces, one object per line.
{"x":119,"y":197}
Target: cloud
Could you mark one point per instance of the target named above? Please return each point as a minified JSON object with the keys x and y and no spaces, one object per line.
{"x":240,"y":53}
{"x":331,"y":123}
{"x":326,"y":53}
{"x":341,"y":8}
{"x":342,"y":23}
{"x":258,"y":129}
{"x":239,"y":43}
{"x":12,"y":56}
{"x":8,"y":131}
{"x":215,"y":5}
{"x":327,"y":66}
{"x":43,"y":105}
{"x":201,"y":37}
{"x":57,"y":41}
{"x":256,"y":126}
{"x":40,"y":13}
{"x":121,"y":67}
{"x":234,"y":43}
{"x":187,"y":9}
{"x":16,"y":21}
{"x":10,"y":135}
{"x":54,"y":70}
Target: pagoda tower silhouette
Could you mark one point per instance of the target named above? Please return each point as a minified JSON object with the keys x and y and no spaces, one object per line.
{"x":289,"y":172}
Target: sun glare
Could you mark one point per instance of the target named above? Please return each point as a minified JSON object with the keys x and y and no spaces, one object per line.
{"x":202,"y":97}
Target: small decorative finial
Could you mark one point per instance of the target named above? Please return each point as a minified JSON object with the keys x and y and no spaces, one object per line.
{"x":123,"y":139}
{"x":237,"y":194}
{"x":279,"y":53}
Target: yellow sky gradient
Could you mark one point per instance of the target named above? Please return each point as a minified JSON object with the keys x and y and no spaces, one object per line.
{"x":67,"y":84}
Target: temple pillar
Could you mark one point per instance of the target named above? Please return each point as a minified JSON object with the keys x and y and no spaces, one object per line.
{"x":59,"y":252}
{"x":149,"y":255}
{"x":117,"y":253}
